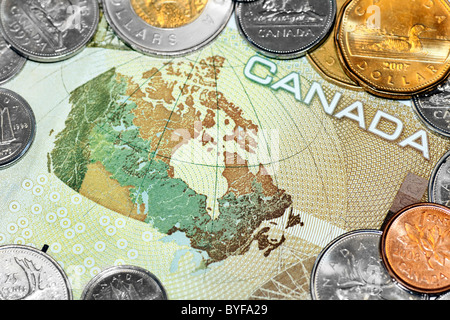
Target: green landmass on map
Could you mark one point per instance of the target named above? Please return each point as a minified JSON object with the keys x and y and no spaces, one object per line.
{"x":118,"y":142}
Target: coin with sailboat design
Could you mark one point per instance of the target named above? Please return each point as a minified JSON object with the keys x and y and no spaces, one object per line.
{"x":17,"y":127}
{"x":285,"y":29}
{"x":393,"y":50}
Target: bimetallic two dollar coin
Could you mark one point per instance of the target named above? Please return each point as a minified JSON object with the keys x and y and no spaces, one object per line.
{"x":167,"y":28}
{"x":11,"y":63}
{"x":124,"y":283}
{"x":325,"y":60}
{"x":30,"y":274}
{"x":17,"y":127}
{"x":439,"y":183}
{"x":285,"y":29}
{"x":48,"y":31}
{"x":415,"y":248}
{"x":433,"y":109}
{"x":395,"y":49}
{"x":350,"y":268}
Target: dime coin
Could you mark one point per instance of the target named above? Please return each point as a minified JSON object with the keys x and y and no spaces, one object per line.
{"x":439,"y":184}
{"x":350,"y":268}
{"x":167,"y":28}
{"x":17,"y":126}
{"x":434,"y":109}
{"x":415,"y":246}
{"x":285,"y":29}
{"x":325,"y":60}
{"x":395,"y":50}
{"x":48,"y":30}
{"x":10,"y":62}
{"x":30,"y":274}
{"x":445,"y":296}
{"x":124,"y":283}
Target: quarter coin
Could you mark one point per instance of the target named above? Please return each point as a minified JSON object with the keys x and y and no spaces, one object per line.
{"x":415,"y":247}
{"x":395,"y":50}
{"x":30,"y":274}
{"x":439,"y":184}
{"x":17,"y":127}
{"x":350,"y":268}
{"x":124,"y":283}
{"x":285,"y":29}
{"x":167,"y":28}
{"x":433,"y":109}
{"x":48,"y":30}
{"x":11,"y":63}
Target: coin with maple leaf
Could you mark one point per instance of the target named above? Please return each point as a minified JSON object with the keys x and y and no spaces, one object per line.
{"x":415,"y":247}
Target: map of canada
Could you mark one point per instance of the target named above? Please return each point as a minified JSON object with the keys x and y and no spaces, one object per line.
{"x":124,"y":134}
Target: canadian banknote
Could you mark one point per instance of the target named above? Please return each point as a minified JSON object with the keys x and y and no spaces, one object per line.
{"x":223,"y":172}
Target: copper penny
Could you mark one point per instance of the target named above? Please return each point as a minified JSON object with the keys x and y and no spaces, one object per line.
{"x":415,"y":247}
{"x":395,"y":49}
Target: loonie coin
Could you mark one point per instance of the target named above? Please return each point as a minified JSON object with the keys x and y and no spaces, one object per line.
{"x":17,"y":127}
{"x":325,"y":60}
{"x":439,"y":184}
{"x":167,"y":28}
{"x":433,"y":109}
{"x":124,"y":283}
{"x":414,"y":247}
{"x":350,"y":268}
{"x":30,"y":274}
{"x":10,"y":62}
{"x":395,"y":50}
{"x":48,"y":30}
{"x":285,"y":29}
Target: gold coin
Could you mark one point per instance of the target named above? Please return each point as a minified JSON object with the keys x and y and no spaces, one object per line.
{"x":168,"y":13}
{"x":325,"y":60}
{"x":395,"y":48}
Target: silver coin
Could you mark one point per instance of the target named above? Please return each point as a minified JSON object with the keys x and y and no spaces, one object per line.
{"x":285,"y":29}
{"x":11,"y":63}
{"x":17,"y":127}
{"x":433,"y":109}
{"x":350,"y":268}
{"x":167,"y":41}
{"x":30,"y":274}
{"x":124,"y":283}
{"x":444,"y":296}
{"x":439,"y":184}
{"x":48,"y":30}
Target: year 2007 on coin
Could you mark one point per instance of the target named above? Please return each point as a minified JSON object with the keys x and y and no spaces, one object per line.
{"x":227,"y":309}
